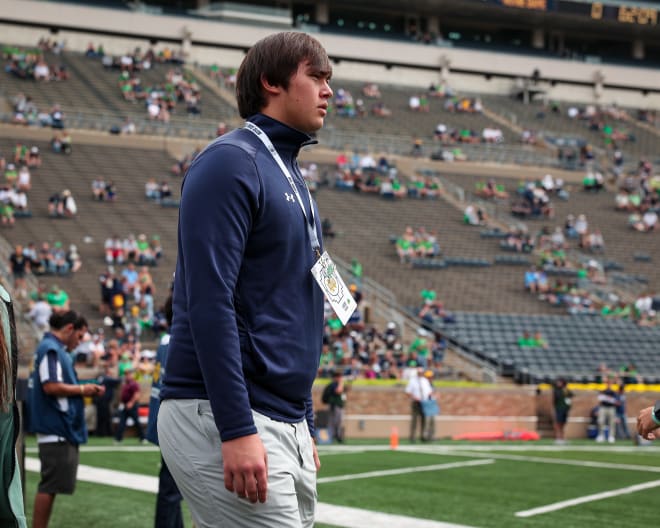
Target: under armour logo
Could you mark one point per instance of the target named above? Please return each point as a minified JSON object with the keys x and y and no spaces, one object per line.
{"x":289,"y":197}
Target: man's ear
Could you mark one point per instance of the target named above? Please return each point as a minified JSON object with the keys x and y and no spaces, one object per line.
{"x":271,"y":89}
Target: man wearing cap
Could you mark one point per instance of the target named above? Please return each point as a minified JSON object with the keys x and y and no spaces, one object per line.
{"x":130,"y":396}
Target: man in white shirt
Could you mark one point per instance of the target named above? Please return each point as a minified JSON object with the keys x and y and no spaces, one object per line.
{"x":418,"y":388}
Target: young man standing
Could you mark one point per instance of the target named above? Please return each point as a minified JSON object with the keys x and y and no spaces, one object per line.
{"x":236,"y":421}
{"x":57,"y":411}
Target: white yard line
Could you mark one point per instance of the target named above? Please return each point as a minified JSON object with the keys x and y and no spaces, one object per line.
{"x":403,"y":471}
{"x":588,"y":498}
{"x":341,"y":516}
{"x":560,"y":461}
{"x":359,"y":518}
{"x":108,"y":477}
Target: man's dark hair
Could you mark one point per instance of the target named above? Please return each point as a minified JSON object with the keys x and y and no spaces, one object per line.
{"x":59,"y":320}
{"x":80,"y":322}
{"x":276,"y":58}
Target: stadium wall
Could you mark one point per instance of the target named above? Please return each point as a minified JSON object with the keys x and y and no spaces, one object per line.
{"x":25,"y":21}
{"x":372,"y":411}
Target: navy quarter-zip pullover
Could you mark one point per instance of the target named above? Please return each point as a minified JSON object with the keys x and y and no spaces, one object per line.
{"x":248,"y":315}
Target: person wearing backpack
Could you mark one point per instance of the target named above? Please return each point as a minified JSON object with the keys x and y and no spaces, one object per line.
{"x":334,"y":395}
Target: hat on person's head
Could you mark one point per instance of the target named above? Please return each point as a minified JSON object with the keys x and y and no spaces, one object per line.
{"x":428,"y":373}
{"x":353,"y":288}
{"x":66,"y":192}
{"x":422,"y":332}
{"x":57,"y":244}
{"x":391,"y":325}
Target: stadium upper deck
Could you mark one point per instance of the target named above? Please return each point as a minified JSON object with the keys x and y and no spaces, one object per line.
{"x":485,"y":47}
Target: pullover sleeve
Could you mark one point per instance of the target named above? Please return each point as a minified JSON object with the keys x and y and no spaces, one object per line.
{"x":219,"y":202}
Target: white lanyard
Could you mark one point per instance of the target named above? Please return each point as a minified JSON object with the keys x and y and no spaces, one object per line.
{"x":313,"y":236}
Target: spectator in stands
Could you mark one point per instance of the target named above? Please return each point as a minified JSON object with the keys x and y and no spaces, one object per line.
{"x":114,"y":251}
{"x":473,"y":215}
{"x":646,"y":223}
{"x":58,"y":299}
{"x":20,"y":267}
{"x":130,"y":400}
{"x":73,"y":260}
{"x":40,"y":313}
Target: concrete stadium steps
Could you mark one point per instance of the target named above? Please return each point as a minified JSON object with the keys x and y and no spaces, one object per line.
{"x":403,"y":121}
{"x":364,"y":224}
{"x":646,"y":143}
{"x":130,"y":213}
{"x":93,"y":91}
{"x":621,"y":242}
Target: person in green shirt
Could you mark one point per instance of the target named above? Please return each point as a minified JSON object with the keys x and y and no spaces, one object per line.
{"x":356,"y":272}
{"x":421,"y":347}
{"x":57,"y":298}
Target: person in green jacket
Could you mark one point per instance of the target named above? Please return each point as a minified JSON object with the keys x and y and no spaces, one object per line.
{"x":12,"y":512}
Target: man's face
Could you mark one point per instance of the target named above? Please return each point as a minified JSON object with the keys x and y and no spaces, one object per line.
{"x":304,"y":104}
{"x":75,"y":337}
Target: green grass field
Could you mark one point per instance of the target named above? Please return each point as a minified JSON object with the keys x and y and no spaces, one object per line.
{"x":477,"y":485}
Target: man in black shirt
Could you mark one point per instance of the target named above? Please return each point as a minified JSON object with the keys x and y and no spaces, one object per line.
{"x":20,"y":265}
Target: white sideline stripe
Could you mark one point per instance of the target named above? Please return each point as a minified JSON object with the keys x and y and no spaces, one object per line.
{"x":341,"y":516}
{"x":109,"y":477}
{"x":587,"y":498}
{"x":562,"y":461}
{"x":358,"y":518}
{"x":403,"y":471}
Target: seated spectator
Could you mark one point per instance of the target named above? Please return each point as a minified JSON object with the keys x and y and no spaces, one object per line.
{"x":152,"y":189}
{"x":40,"y":312}
{"x":114,"y":251}
{"x":59,"y":262}
{"x":145,"y":255}
{"x":491,"y":190}
{"x":58,"y":299}
{"x":404,"y":245}
{"x":593,"y":181}
{"x":371,"y":90}
{"x":11,"y":173}
{"x":380,"y":110}
{"x":473,"y":215}
{"x":62,"y":204}
{"x":73,"y":259}
{"x":644,"y":223}
{"x":327,"y":229}
{"x":98,"y":189}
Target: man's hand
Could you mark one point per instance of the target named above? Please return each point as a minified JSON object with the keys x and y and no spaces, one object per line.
{"x":246,"y":467}
{"x":645,"y":424}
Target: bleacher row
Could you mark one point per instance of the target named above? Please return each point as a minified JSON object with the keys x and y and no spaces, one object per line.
{"x":576,"y":345}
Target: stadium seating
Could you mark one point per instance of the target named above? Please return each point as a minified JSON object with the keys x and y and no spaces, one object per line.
{"x":130,"y":213}
{"x":577,"y":345}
